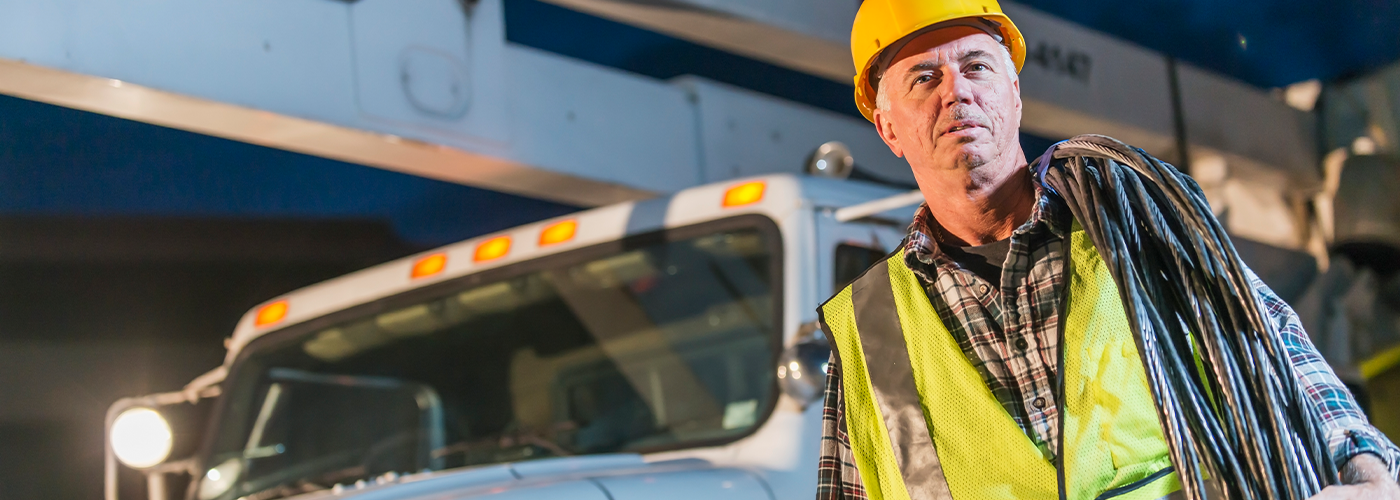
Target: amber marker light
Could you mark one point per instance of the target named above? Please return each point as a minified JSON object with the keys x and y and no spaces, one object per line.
{"x":747,"y":193}
{"x":428,"y":266}
{"x":492,"y":249}
{"x":558,"y":232}
{"x":271,"y":314}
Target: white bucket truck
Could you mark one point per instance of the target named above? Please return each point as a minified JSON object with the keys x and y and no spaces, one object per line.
{"x":654,"y":349}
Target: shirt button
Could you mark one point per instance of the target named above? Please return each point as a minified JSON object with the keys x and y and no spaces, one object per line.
{"x":982,"y":288}
{"x":1039,"y":403}
{"x":1021,"y":344}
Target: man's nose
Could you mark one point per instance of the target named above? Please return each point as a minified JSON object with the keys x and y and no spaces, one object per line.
{"x":955,"y":89}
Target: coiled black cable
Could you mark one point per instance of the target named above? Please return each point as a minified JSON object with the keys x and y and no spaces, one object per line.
{"x":1238,"y":416}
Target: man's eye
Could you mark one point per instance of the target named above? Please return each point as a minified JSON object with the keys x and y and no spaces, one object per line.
{"x":922,"y":79}
{"x":978,"y":67}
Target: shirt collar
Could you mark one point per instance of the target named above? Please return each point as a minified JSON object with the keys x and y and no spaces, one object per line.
{"x":921,"y":246}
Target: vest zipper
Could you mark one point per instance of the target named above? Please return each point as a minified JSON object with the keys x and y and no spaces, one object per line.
{"x":1060,"y":369}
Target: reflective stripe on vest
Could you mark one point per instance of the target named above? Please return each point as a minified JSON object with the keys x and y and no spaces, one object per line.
{"x":923,"y":425}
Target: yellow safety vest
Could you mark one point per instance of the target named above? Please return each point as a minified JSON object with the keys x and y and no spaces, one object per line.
{"x":923,"y":424}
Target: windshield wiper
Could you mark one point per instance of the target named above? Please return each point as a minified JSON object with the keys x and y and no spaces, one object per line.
{"x":302,"y":478}
{"x":283,"y":491}
{"x":512,"y":440}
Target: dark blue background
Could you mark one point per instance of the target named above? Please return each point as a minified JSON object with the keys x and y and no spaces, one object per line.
{"x":1267,"y":43}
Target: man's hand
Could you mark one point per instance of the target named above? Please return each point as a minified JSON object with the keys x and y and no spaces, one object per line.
{"x":1363,"y":478}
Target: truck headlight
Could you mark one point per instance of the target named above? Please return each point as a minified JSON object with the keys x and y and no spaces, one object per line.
{"x":141,"y":438}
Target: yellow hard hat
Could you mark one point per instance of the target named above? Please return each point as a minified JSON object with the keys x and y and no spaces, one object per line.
{"x":881,"y":24}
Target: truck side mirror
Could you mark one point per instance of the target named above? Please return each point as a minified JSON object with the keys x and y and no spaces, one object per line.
{"x":158,"y":436}
{"x":802,"y":367}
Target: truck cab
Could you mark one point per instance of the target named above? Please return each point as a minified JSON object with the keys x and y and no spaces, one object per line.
{"x":660,"y":348}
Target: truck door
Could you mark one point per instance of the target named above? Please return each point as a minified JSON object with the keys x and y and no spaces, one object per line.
{"x":847,"y":249}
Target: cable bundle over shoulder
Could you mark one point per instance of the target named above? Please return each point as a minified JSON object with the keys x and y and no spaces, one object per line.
{"x":1229,"y":404}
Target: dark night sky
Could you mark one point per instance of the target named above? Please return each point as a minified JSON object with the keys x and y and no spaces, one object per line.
{"x":1267,"y":43}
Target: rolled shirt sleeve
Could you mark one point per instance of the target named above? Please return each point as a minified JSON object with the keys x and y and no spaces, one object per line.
{"x":1348,"y":432}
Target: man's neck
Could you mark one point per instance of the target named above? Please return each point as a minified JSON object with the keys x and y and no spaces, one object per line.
{"x":975,"y":211}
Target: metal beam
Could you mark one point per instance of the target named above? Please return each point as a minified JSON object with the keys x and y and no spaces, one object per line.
{"x":266,"y":128}
{"x":705,"y":26}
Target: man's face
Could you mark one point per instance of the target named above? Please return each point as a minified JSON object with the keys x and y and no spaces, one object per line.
{"x":953,"y":102}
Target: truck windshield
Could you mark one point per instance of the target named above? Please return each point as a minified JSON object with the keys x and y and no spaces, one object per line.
{"x":657,"y":342}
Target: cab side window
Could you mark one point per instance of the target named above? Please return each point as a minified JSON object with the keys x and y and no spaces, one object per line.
{"x":851,"y":261}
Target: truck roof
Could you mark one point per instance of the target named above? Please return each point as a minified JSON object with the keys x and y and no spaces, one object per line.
{"x":775,"y":196}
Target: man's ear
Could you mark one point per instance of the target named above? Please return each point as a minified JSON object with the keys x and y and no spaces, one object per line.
{"x":1016,"y":85}
{"x":886,"y":130}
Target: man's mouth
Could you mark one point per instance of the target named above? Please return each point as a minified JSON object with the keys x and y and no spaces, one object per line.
{"x":960,"y":126}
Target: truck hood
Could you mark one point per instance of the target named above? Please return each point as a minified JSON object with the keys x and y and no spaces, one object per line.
{"x":600,"y":477}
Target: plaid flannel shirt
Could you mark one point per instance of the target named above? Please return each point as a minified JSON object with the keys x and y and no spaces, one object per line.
{"x":1008,"y":331}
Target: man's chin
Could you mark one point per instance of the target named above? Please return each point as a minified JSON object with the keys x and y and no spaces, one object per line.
{"x":973,"y":155}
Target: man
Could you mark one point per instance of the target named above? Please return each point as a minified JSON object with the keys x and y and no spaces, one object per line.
{"x":968,"y":313}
